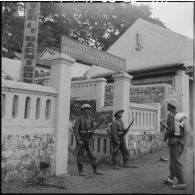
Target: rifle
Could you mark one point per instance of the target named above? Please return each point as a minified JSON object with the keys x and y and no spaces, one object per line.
{"x":89,"y":133}
{"x":126,"y":131}
{"x":165,"y":128}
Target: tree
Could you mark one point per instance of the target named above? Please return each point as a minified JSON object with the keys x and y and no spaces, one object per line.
{"x":95,"y":24}
{"x":12,"y":26}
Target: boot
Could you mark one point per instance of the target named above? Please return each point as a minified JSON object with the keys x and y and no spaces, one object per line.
{"x":81,"y":173}
{"x":179,"y":186}
{"x":96,"y":171}
{"x":116,"y":167}
{"x":168,"y":181}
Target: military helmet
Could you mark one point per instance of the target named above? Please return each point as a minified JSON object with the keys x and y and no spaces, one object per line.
{"x":117,"y":111}
{"x":173,"y":102}
{"x":86,"y":106}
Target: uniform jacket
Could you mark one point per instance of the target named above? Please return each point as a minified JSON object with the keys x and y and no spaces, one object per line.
{"x":117,"y":128}
{"x":172,"y":139}
{"x":82,"y":125}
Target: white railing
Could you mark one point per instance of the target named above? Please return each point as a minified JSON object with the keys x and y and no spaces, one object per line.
{"x":27,"y":108}
{"x":89,"y":89}
{"x":146,"y":116}
{"x":84,"y":89}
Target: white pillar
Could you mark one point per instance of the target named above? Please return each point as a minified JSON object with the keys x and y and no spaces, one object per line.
{"x":121,"y":95}
{"x":61,"y":80}
{"x":158,"y":116}
{"x":182,"y":91}
{"x":100,"y":93}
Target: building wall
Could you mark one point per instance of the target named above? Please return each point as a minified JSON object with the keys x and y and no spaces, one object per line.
{"x":22,"y":155}
{"x":155,"y":80}
{"x":152,"y":94}
{"x":158,"y":46}
{"x":145,"y":94}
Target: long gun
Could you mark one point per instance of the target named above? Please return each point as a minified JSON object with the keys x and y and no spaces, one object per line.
{"x":88,"y":134}
{"x":126,"y":131}
{"x":165,"y":128}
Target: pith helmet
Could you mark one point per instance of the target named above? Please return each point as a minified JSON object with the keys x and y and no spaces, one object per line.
{"x":86,"y":106}
{"x":117,"y":111}
{"x":173,"y":102}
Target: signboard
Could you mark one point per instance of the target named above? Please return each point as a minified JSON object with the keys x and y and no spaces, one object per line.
{"x":30,"y":41}
{"x":91,"y":55}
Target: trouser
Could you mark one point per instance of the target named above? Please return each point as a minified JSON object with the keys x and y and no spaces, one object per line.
{"x":90,"y":155}
{"x":175,"y":166}
{"x":116,"y":154}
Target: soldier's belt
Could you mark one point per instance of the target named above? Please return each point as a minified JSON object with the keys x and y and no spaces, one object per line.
{"x":83,"y":132}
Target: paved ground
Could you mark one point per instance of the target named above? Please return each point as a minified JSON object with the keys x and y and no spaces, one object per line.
{"x":145,"y":179}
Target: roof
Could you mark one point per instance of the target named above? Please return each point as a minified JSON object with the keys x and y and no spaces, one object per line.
{"x":157,"y":46}
{"x":166,"y":69}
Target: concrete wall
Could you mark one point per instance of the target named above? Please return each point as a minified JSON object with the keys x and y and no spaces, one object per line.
{"x":22,"y":155}
{"x":35,"y":124}
{"x":145,"y":94}
{"x":170,"y":80}
{"x":28,"y":133}
{"x":152,"y":94}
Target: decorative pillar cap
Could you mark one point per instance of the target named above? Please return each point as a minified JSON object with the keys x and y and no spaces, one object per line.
{"x":122,"y":75}
{"x":60,"y":57}
{"x":101,"y":79}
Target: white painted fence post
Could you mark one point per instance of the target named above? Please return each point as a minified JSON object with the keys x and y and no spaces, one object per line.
{"x":182,"y":91}
{"x":61,"y":80}
{"x":100,"y":91}
{"x":121,"y":94}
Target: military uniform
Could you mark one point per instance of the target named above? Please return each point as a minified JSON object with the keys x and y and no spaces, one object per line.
{"x":82,"y":125}
{"x":176,"y":147}
{"x":117,"y":136}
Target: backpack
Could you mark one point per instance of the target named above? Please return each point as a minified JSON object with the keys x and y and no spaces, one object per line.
{"x":182,"y":125}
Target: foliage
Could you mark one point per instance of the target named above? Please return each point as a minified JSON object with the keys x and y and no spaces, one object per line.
{"x":95,"y":24}
{"x":5,"y":76}
{"x":12,"y":26}
{"x":75,"y":107}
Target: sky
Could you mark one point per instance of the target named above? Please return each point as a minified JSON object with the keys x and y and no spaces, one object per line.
{"x":177,"y":16}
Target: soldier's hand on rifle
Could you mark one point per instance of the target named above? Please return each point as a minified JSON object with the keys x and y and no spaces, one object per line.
{"x":118,"y":142}
{"x":81,"y":142}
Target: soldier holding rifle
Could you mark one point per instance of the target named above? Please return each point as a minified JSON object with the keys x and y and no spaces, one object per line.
{"x":176,"y":147}
{"x":117,"y":137}
{"x":83,"y":129}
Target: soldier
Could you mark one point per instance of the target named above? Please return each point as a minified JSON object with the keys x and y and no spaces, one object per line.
{"x":118,"y":141}
{"x":83,"y":124}
{"x":176,"y":147}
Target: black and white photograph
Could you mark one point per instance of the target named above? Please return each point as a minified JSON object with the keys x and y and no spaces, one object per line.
{"x":97,"y":97}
